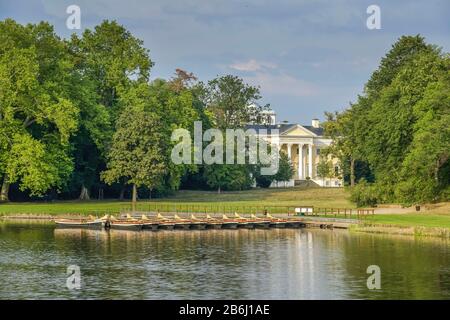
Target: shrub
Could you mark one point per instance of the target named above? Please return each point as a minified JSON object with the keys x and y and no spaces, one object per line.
{"x":364,"y":194}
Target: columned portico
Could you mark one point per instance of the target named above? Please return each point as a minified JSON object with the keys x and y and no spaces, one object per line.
{"x":305,"y":161}
{"x":300,"y":161}
{"x":302,"y":145}
{"x":310,"y":161}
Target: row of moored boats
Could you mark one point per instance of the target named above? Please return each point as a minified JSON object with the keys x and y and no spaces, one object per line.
{"x":159,"y":222}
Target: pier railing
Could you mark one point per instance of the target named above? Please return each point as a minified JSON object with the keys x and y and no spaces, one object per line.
{"x":292,"y":210}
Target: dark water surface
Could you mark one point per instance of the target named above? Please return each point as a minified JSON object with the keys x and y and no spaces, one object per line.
{"x":218,"y":264}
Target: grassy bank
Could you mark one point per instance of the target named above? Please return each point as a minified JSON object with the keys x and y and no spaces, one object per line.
{"x":412,"y":220}
{"x":251,"y":201}
{"x":255,"y":199}
{"x":428,"y":225}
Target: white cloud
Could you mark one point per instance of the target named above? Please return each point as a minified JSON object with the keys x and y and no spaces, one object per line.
{"x":252,"y":65}
{"x":282,"y":84}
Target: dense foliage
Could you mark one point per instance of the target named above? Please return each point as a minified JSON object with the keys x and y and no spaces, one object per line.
{"x":80,"y":118}
{"x":397,"y":134}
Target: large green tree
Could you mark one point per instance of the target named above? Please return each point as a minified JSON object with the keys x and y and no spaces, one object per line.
{"x":137,"y":151}
{"x":112,"y":61}
{"x":392,"y":125}
{"x":232,"y":102}
{"x":425,"y":172}
{"x":38,"y":114}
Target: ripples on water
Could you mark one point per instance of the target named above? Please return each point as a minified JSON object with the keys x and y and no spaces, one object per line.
{"x":217,"y":264}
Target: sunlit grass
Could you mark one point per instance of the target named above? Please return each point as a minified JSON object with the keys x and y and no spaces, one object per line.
{"x":413,"y":220}
{"x":198,"y":201}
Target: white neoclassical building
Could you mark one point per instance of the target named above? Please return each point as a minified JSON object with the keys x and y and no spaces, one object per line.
{"x":302,"y":144}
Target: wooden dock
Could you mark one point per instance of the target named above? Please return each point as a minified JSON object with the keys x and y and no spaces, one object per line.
{"x":328,"y":223}
{"x":245,"y":221}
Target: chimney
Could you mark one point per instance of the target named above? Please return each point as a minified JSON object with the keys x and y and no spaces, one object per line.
{"x":315,"y":123}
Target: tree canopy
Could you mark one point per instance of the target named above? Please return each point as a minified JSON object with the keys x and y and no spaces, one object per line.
{"x":397,"y":126}
{"x":81,"y":115}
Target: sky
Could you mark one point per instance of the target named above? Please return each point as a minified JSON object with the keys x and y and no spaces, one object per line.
{"x":307,"y":57}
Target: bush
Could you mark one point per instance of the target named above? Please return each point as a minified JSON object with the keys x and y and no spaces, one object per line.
{"x":364,"y":194}
{"x":263,"y":181}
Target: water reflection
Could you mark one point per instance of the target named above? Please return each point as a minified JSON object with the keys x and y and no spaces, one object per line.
{"x":217,"y":264}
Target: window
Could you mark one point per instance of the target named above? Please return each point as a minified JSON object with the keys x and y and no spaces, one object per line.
{"x":318,"y":151}
{"x":336,"y":170}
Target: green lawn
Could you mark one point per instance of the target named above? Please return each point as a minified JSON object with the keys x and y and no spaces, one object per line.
{"x":249,"y":200}
{"x":413,"y":220}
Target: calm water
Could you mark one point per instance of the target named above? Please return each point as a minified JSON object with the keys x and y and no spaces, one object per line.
{"x":218,"y":264}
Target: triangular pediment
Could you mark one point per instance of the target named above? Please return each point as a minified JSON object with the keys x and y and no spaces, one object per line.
{"x":298,"y":130}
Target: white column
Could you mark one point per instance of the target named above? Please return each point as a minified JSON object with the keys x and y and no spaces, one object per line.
{"x":289,"y":145}
{"x":310,"y":160}
{"x":300,"y":161}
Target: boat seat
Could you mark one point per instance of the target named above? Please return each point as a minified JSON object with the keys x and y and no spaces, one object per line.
{"x":129,"y":217}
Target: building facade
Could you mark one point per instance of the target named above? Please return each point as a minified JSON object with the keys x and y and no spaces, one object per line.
{"x":303,"y":145}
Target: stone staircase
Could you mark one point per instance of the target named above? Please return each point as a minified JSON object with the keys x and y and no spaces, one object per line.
{"x":306,"y":183}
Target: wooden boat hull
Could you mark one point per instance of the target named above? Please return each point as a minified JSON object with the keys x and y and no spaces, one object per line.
{"x":79,"y":224}
{"x":262,"y":225}
{"x":182,"y":226}
{"x":277,"y":224}
{"x":293,"y":224}
{"x":230,"y":225}
{"x":153,"y":226}
{"x":199,"y":225}
{"x":247,"y":225}
{"x":214,"y":225}
{"x":126,"y":226}
{"x":166,"y":226}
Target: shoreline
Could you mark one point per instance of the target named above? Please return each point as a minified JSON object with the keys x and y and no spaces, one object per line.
{"x":415,"y":231}
{"x":363,"y":227}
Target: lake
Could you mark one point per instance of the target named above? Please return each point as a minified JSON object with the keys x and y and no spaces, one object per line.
{"x":218,"y":264}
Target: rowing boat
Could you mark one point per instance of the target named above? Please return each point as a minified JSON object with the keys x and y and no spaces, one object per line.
{"x":149,"y":224}
{"x":180,"y":223}
{"x":244,"y":222}
{"x":228,"y":223}
{"x":125,"y":224}
{"x":294,"y":223}
{"x":165,"y":223}
{"x":199,"y":224}
{"x":90,"y":222}
{"x":213,"y":223}
{"x":261,"y":223}
{"x":276,"y":222}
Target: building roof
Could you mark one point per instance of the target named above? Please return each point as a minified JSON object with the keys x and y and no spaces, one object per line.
{"x":283,"y":127}
{"x":319,"y":131}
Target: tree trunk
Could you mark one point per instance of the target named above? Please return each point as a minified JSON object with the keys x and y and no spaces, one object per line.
{"x":5,"y":190}
{"x":122,"y":193}
{"x":84,"y":194}
{"x":150,"y":194}
{"x":134,"y":198}
{"x":100,"y":193}
{"x":352,"y":172}
{"x":218,"y":190}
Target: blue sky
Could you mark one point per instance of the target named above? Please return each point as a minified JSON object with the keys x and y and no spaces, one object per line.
{"x":307,"y":56}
